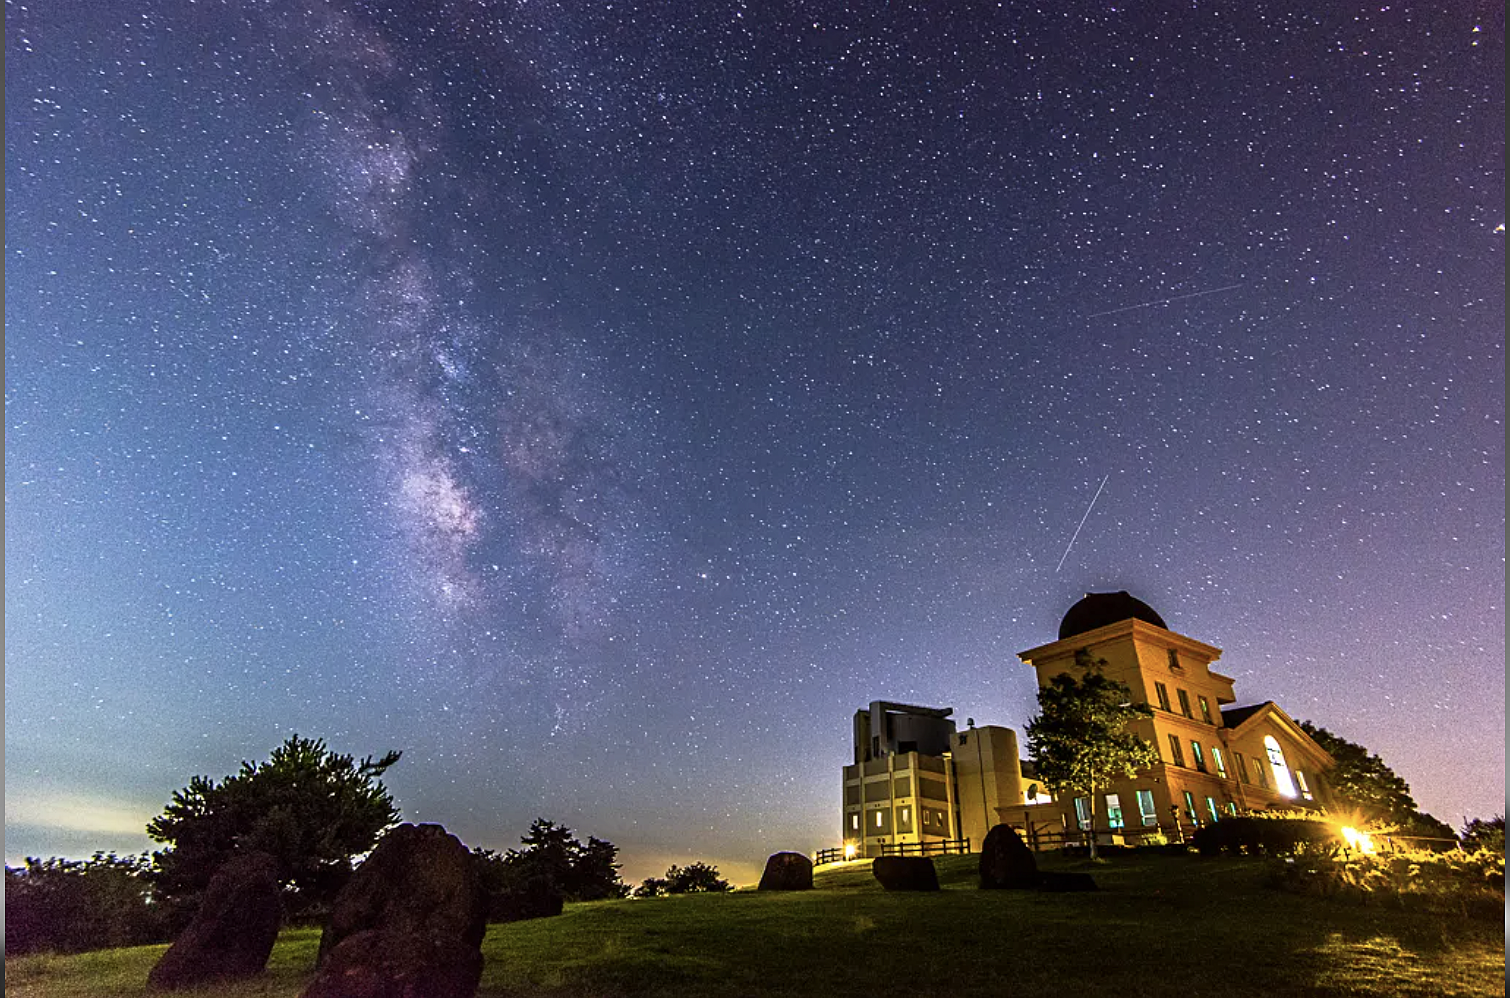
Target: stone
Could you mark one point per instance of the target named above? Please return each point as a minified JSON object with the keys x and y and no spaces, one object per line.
{"x":387,"y":963}
{"x":1058,"y":881}
{"x":1006,"y":862}
{"x":787,"y":871}
{"x":232,"y":933}
{"x":420,"y":880}
{"x":905,"y":873}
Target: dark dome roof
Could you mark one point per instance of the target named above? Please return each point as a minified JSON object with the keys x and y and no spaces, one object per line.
{"x":1100,"y":609}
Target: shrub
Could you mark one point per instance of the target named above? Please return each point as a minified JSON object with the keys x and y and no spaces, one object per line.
{"x":1266,"y":835}
{"x":1457,"y":883}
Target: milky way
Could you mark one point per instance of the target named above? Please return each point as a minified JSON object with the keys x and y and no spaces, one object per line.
{"x":600,"y":403}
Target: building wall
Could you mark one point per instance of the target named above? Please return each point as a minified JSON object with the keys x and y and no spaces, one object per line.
{"x":988,"y":776}
{"x":899,"y":799}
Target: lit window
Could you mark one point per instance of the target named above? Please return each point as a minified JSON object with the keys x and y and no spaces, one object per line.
{"x":1195,"y":819}
{"x":1221,"y":764}
{"x":1282,"y":781}
{"x":1184,"y":703}
{"x":1211,"y":808}
{"x":1162,"y":692}
{"x":1300,"y":779}
{"x":1114,"y":810}
{"x":854,"y":822}
{"x":905,"y":817}
{"x":1205,"y":709}
{"x":1198,"y":755}
{"x":880,"y":821}
{"x":1146,"y":808}
{"x":1177,"y":754}
{"x":1232,"y":808}
{"x":1083,"y":812}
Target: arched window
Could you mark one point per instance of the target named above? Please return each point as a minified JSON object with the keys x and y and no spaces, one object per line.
{"x":1282,"y":781}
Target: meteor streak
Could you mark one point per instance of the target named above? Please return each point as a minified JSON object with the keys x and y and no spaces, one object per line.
{"x":1162,"y":301}
{"x":1087,"y":516}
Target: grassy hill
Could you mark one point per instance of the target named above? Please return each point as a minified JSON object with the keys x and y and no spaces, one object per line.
{"x":1161,"y":926}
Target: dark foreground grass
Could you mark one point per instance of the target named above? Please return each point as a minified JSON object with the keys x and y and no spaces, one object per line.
{"x":1162,"y":925}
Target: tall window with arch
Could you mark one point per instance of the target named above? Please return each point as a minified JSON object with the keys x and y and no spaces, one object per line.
{"x":1282,"y":781}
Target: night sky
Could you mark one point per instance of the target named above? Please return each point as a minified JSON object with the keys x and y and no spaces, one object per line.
{"x":600,"y":402}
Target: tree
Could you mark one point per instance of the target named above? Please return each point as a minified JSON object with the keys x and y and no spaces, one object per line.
{"x":1079,"y":741}
{"x":310,"y":808}
{"x":67,"y":906}
{"x":1486,"y":834}
{"x":580,"y":872}
{"x":695,"y":878}
{"x":653,"y":887}
{"x":1361,"y":781}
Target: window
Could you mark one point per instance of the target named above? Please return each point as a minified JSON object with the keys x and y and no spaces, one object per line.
{"x":1305,"y":790}
{"x":880,"y":820}
{"x":1221,"y":764}
{"x":1184,"y":703}
{"x":1083,"y":812}
{"x":1232,"y":808}
{"x":1282,"y":781}
{"x":1205,"y":709}
{"x":1162,"y":692}
{"x":1198,"y":755}
{"x":1114,"y":810}
{"x":906,"y":816}
{"x":1240,"y":766}
{"x":854,"y":822}
{"x":1258,"y":774}
{"x":1211,"y":809}
{"x":1146,"y":809}
{"x":1195,"y":819}
{"x":1174,"y":661}
{"x":1177,"y":754}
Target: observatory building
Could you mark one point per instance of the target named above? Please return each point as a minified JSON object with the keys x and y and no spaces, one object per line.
{"x":919,"y":784}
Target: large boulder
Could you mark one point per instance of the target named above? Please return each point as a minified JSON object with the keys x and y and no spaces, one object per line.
{"x":383,"y":963}
{"x":1006,"y":862}
{"x":419,"y":880}
{"x":905,"y":873}
{"x":787,"y":871}
{"x":232,"y":934}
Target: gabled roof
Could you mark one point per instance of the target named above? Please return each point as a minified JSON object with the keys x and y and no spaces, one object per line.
{"x":1236,"y":719}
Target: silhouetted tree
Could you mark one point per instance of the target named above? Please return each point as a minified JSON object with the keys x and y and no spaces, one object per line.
{"x":694,"y":878}
{"x":67,"y":906}
{"x":1361,"y":781}
{"x":1079,"y":741}
{"x":580,"y":872}
{"x":1487,"y":834}
{"x":653,"y":887}
{"x":310,"y":808}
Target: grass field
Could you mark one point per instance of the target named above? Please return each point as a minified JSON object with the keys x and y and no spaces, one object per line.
{"x":1161,"y":925}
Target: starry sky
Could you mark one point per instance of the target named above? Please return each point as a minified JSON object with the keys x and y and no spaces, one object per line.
{"x":600,"y":402}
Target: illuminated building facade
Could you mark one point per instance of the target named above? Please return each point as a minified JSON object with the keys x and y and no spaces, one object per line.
{"x":917,"y":782}
{"x":1215,"y":759}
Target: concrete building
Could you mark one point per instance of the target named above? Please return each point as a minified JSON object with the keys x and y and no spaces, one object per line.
{"x":919,"y":784}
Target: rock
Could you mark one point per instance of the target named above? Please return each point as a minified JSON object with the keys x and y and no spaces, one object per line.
{"x":232,"y":934}
{"x":905,"y":873}
{"x":1006,"y":862}
{"x":385,"y":963}
{"x":787,"y":871}
{"x":420,"y":880}
{"x":1062,"y":881}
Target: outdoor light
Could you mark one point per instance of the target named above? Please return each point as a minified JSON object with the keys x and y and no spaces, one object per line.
{"x":1355,"y":839}
{"x":849,"y":850}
